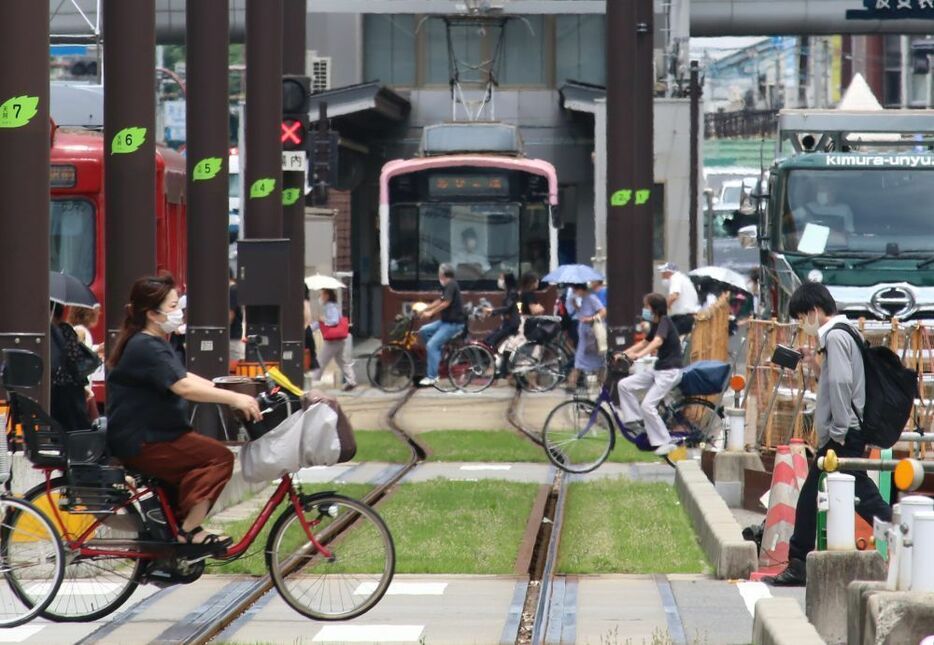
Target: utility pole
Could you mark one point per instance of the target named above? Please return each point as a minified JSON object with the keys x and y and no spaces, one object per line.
{"x":695,"y":161}
{"x":129,"y":151}
{"x":263,"y":254}
{"x":208,"y":335}
{"x":293,"y":212}
{"x":630,"y":157}
{"x":24,"y":180}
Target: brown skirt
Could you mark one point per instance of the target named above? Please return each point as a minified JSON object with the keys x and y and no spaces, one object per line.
{"x":197,"y":467}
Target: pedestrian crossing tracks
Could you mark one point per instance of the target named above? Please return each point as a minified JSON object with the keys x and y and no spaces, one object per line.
{"x":444,"y":609}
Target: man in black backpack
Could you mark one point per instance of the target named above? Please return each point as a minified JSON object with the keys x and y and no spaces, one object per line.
{"x":841,"y":396}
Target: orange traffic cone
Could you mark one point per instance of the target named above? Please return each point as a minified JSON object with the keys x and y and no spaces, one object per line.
{"x":799,"y":457}
{"x":780,"y":520}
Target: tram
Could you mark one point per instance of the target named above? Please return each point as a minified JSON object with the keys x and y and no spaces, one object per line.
{"x":472,"y":199}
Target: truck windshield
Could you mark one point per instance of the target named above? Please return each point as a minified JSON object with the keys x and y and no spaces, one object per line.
{"x":866,"y":211}
{"x":71,"y":238}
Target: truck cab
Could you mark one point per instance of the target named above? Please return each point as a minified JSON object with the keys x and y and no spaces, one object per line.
{"x":849,"y":204}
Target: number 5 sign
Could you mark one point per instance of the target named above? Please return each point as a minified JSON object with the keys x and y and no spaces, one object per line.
{"x":18,"y":111}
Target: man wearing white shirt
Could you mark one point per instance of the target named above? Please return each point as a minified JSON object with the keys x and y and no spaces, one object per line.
{"x":682,"y":297}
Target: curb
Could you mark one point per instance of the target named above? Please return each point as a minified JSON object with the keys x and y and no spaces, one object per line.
{"x":718,"y":532}
{"x":780,"y":621}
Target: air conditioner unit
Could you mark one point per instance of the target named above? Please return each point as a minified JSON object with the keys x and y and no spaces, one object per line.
{"x":319,"y":70}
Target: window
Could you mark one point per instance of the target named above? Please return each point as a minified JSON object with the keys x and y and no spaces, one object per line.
{"x":580,"y":49}
{"x":389,"y":48}
{"x":71,"y":242}
{"x":479,"y":239}
{"x":523,"y":55}
{"x":469,"y":44}
{"x":233,"y":186}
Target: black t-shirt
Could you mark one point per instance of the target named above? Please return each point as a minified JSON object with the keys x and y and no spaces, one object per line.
{"x":669,"y":354}
{"x":140,"y":405}
{"x":526,"y":300}
{"x":509,"y":311}
{"x":454,"y":312}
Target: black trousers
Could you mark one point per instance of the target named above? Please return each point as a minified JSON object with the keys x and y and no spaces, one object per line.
{"x":495,"y":337}
{"x":870,"y":502}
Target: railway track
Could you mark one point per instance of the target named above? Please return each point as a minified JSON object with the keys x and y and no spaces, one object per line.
{"x":210,"y":620}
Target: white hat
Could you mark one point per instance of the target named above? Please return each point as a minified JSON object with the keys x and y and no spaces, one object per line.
{"x":668,"y":266}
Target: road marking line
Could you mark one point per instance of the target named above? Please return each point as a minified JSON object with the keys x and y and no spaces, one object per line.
{"x":486,"y":467}
{"x":751,"y":593}
{"x":19,"y":634}
{"x":404,"y":589}
{"x":369,"y":633}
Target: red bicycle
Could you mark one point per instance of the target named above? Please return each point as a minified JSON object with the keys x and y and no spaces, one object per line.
{"x":329,"y":556}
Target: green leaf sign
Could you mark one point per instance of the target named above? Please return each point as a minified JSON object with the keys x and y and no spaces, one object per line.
{"x":18,"y":111}
{"x":128,"y":140}
{"x":207,"y":168}
{"x":623,"y":197}
{"x":290,"y":196}
{"x":262,"y":188}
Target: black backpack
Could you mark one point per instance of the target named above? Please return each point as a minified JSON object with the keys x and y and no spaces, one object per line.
{"x":891,"y":389}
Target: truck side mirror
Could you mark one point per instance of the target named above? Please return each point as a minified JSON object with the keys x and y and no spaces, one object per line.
{"x":749,"y":236}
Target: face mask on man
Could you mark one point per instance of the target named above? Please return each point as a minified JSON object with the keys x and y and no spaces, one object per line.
{"x":173,"y":320}
{"x":666,"y":282}
{"x":647,"y":315}
{"x":810,"y":327}
{"x":578,"y":300}
{"x":501,"y":284}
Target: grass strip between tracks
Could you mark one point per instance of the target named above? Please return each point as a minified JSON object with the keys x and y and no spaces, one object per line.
{"x":619,"y":526}
{"x":437,"y":527}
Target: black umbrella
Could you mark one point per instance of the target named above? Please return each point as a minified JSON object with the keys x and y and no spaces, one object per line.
{"x":70,"y":291}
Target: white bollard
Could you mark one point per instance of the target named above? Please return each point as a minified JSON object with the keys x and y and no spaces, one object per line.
{"x":910,"y":506}
{"x":841,"y":512}
{"x":922,"y":569}
{"x":736,"y":429}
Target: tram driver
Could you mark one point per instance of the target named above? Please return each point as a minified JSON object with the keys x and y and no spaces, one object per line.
{"x":469,"y":254}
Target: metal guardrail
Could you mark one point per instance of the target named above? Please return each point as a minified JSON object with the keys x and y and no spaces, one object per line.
{"x":743,"y":123}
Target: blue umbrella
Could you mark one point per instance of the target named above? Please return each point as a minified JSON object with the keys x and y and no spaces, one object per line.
{"x":572,"y":274}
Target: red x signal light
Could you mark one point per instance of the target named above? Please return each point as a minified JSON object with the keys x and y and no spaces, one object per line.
{"x":292,"y":133}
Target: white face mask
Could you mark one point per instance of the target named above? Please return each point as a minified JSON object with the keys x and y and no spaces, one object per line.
{"x":809,"y":327}
{"x":501,"y":284}
{"x":173,"y":320}
{"x":666,"y":281}
{"x":578,"y":300}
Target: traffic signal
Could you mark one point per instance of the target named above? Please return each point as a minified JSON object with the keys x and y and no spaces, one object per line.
{"x":296,"y":99}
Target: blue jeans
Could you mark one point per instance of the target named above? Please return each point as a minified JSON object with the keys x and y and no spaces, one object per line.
{"x":435,"y":336}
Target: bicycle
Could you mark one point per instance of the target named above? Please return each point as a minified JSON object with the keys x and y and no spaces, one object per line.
{"x":579,"y":435}
{"x":395,"y":365}
{"x":543,"y":361}
{"x":118,"y":528}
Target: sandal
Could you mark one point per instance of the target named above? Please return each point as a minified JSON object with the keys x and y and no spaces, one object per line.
{"x":210,"y":539}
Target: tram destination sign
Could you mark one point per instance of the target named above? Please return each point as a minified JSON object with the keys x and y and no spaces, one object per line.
{"x":453,"y":185}
{"x":893,"y":10}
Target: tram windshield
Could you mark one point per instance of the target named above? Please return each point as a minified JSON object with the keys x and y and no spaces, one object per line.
{"x":481,"y":240}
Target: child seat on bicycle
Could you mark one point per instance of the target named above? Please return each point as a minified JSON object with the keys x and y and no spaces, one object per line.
{"x":664,"y":377}
{"x":148,"y":428}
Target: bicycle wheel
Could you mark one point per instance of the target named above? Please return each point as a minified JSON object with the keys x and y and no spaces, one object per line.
{"x":697,"y":421}
{"x":351,"y":577}
{"x":391,"y":368}
{"x":578,"y":436}
{"x":94,"y":586}
{"x":32,"y":560}
{"x":472,"y":368}
{"x":537,"y":367}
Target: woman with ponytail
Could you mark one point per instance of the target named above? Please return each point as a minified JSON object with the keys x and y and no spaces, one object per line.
{"x":147,"y":390}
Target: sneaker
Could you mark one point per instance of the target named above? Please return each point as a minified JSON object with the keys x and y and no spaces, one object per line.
{"x":427,"y":382}
{"x":349,"y":388}
{"x":794,"y":575}
{"x":665,"y":449}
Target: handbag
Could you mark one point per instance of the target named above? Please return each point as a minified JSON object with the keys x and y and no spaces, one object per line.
{"x":599,"y":332}
{"x":340,"y":331}
{"x":87,"y":360}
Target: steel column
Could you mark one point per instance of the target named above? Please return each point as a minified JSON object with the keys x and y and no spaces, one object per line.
{"x":262,"y":201}
{"x":129,"y":151}
{"x":293,"y":221}
{"x":629,"y":157}
{"x":208,"y":335}
{"x":24,"y":179}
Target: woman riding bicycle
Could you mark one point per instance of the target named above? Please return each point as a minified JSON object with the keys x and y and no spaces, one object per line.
{"x":663,"y":338}
{"x":509,"y":311}
{"x":147,"y":390}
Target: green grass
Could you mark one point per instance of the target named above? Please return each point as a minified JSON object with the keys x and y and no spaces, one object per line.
{"x":624,"y":452}
{"x":458,"y":527}
{"x":480,"y":445}
{"x":618,"y":526}
{"x":381,"y":445}
{"x":254,"y":562}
